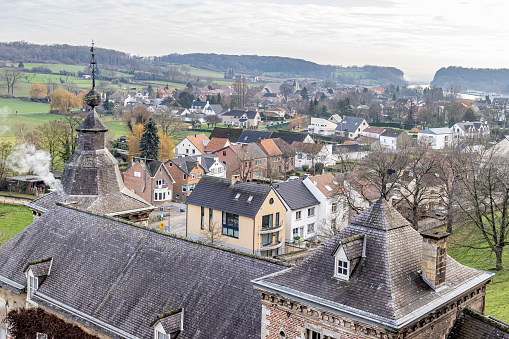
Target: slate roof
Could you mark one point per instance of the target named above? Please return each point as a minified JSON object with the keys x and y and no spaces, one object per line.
{"x":349,"y":124}
{"x":373,"y":129}
{"x":284,"y":147}
{"x":209,"y":188}
{"x":385,"y":286}
{"x":199,"y":104}
{"x":290,"y":137}
{"x":295,"y":194}
{"x":470,"y":324}
{"x":186,"y":164}
{"x":345,"y":148}
{"x":392,"y":133}
{"x":443,"y":130}
{"x":92,"y":123}
{"x":249,"y":135}
{"x":149,"y":165}
{"x":231,"y":134}
{"x":172,"y":322}
{"x":472,"y":126}
{"x":216,"y":108}
{"x":125,"y":275}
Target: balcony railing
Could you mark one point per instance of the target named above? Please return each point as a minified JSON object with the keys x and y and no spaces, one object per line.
{"x":270,"y":229}
{"x":162,"y":186}
{"x":271,"y":246}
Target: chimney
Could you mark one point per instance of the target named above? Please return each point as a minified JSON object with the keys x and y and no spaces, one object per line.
{"x":434,"y":252}
{"x":235,"y":178}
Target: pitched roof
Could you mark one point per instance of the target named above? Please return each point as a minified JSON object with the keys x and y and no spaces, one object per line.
{"x":215,"y":144}
{"x":231,"y":134}
{"x":185,"y":164}
{"x":198,"y":141}
{"x":136,"y":274}
{"x":326,"y":183}
{"x":349,"y":124}
{"x":290,"y":137}
{"x":250,"y":135}
{"x":269,"y":147}
{"x":216,"y":108}
{"x":92,"y":123}
{"x":443,"y":130}
{"x":149,"y":165}
{"x":392,"y":132}
{"x":284,"y":147}
{"x":470,"y":324}
{"x":249,"y":151}
{"x":209,"y":188}
{"x":295,"y":194}
{"x":373,"y":129}
{"x":385,"y":286}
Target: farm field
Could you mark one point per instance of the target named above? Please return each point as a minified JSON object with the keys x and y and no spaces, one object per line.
{"x":11,"y":105}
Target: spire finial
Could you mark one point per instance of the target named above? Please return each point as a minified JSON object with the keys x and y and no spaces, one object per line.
{"x":93,"y":64}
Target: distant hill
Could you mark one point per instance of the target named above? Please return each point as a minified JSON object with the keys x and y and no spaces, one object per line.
{"x":480,"y":79}
{"x":285,"y":67}
{"x":268,"y":66}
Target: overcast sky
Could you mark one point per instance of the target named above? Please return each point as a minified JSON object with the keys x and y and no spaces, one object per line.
{"x":417,"y":37}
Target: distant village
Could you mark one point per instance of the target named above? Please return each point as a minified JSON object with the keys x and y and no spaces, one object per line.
{"x":289,"y":210}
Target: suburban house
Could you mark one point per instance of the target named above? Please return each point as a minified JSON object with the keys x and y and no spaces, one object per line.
{"x":351,"y":127}
{"x":247,"y":160}
{"x":373,"y":132}
{"x":348,"y":152}
{"x":92,"y":180}
{"x":377,"y":278}
{"x":232,"y":134}
{"x":394,"y":138}
{"x":216,"y":143}
{"x":302,"y":210}
{"x":290,"y":137}
{"x":277,"y":161}
{"x":241,"y":118}
{"x":191,"y":145}
{"x":275,"y":112}
{"x":245,"y":216}
{"x":149,"y":179}
{"x":335,"y":118}
{"x":476,"y":129}
{"x":436,"y":138}
{"x":249,"y":136}
{"x":331,"y":193}
{"x":187,"y":172}
{"x":311,"y":154}
{"x":322,"y":126}
{"x":116,"y":279}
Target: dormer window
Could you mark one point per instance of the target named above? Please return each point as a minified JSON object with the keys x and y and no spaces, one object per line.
{"x":347,"y":254}
{"x":32,"y":285}
{"x":342,"y":268}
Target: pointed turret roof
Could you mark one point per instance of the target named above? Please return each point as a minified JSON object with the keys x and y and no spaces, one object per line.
{"x":385,"y":287}
{"x":92,"y":123}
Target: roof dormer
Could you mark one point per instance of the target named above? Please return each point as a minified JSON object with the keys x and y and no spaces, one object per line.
{"x":347,"y":254}
{"x":169,"y":325}
{"x":36,"y":272}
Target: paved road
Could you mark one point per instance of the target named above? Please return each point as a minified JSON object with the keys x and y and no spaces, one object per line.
{"x":177,"y":218}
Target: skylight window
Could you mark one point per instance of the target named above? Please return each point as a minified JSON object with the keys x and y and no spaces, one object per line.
{"x":327,"y":187}
{"x":335,"y":182}
{"x":250,"y":198}
{"x":237,"y":196}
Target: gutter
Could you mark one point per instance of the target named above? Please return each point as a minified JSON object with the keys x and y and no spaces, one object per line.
{"x":12,"y":283}
{"x":131,"y":211}
{"x":86,"y":317}
{"x":370,"y":318}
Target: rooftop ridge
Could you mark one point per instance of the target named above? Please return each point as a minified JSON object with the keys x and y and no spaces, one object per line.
{"x":176,"y":236}
{"x":487,"y":319}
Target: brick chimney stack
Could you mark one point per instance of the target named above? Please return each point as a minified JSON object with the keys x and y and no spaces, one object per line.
{"x":434,"y":253}
{"x":235,"y":178}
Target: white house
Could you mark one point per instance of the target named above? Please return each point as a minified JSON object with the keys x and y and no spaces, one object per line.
{"x":304,"y":157}
{"x":191,"y":145}
{"x":373,"y":132}
{"x":471,"y":129}
{"x":351,"y":127}
{"x":322,"y":126}
{"x":436,"y":138}
{"x":302,"y":210}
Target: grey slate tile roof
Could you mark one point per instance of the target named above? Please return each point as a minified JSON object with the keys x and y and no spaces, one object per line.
{"x":125,"y":275}
{"x":186,"y":164}
{"x":92,"y":123}
{"x":249,"y":136}
{"x":295,"y":194}
{"x":231,"y":134}
{"x":392,"y":132}
{"x":290,"y":137}
{"x":149,"y":165}
{"x":209,"y":189}
{"x":470,"y":324}
{"x":385,"y":285}
{"x":41,"y":267}
{"x":349,"y":124}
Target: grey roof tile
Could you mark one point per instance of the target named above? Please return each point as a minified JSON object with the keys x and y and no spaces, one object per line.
{"x":231,"y":134}
{"x":470,"y":324}
{"x":125,"y":275}
{"x":249,"y":136}
{"x":295,"y":194}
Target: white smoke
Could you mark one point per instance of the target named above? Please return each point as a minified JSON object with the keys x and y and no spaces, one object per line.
{"x":3,"y":120}
{"x":25,"y":159}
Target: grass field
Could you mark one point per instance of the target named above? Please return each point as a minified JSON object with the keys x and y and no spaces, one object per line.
{"x":13,"y":219}
{"x":497,"y":292}
{"x":11,"y":105}
{"x":55,"y":68}
{"x":32,"y":121}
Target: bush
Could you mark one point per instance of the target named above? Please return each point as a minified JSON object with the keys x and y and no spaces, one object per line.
{"x":305,"y":168}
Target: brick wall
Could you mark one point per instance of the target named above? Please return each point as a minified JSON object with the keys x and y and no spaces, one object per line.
{"x":136,"y":183}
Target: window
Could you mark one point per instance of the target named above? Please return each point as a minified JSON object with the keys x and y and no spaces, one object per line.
{"x":311,"y":228}
{"x":185,"y":176}
{"x":211,"y":225}
{"x":202,"y":222}
{"x":311,"y":212}
{"x":33,"y":284}
{"x":212,"y":171}
{"x":271,"y":201}
{"x":220,"y":170}
{"x":343,"y":268}
{"x":184,"y":188}
{"x":187,"y":150}
{"x":193,"y":176}
{"x":170,"y":164}
{"x":161,"y":335}
{"x":160,"y":182}
{"x":224,"y":153}
{"x":259,"y":162}
{"x":194,"y":151}
{"x":267,"y":221}
{"x":277,"y":219}
{"x":230,"y":225}
{"x":334,"y":207}
{"x":137,"y":174}
{"x":298,"y":215}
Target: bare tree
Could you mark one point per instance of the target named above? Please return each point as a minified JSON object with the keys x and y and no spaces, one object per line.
{"x":11,"y":76}
{"x":212,"y":119}
{"x":240,"y":90}
{"x":169,"y":123}
{"x":213,"y":232}
{"x":313,"y":152}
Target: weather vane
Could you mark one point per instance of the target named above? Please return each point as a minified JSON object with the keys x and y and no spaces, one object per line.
{"x":93,"y":64}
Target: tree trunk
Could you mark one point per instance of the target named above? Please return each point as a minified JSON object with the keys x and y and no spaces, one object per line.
{"x":498,"y":252}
